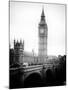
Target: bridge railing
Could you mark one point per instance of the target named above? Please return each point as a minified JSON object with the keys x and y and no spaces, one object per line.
{"x":34,"y":67}
{"x":29,"y":67}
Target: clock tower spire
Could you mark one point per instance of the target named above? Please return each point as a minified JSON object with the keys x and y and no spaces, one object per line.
{"x":42,"y":52}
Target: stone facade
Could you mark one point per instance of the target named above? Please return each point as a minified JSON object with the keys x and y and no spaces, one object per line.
{"x":18,"y":51}
{"x":19,"y":56}
{"x":42,"y":52}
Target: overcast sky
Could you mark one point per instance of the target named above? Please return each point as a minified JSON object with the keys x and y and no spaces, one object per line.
{"x":24,"y":20}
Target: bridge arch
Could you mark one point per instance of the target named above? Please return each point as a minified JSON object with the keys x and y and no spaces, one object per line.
{"x":28,"y":74}
{"x":33,"y":80}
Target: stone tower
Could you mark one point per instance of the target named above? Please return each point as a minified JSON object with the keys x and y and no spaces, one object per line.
{"x":18,"y":51}
{"x":42,"y":52}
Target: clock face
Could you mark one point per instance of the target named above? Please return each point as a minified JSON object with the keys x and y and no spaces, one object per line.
{"x":41,"y":30}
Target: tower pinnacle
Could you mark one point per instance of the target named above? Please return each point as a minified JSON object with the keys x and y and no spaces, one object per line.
{"x":43,"y":15}
{"x":42,"y":21}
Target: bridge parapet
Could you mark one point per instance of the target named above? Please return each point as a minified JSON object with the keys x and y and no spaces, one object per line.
{"x":34,"y":68}
{"x":25,"y":69}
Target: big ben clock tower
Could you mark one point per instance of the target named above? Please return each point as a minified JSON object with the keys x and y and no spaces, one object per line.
{"x":42,"y":52}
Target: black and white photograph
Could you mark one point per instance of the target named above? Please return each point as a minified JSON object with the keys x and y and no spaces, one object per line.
{"x":37,"y":44}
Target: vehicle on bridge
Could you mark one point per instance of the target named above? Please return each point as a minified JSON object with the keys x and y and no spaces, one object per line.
{"x":25,"y":64}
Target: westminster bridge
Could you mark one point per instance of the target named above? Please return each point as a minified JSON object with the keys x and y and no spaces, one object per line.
{"x":36,"y":75}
